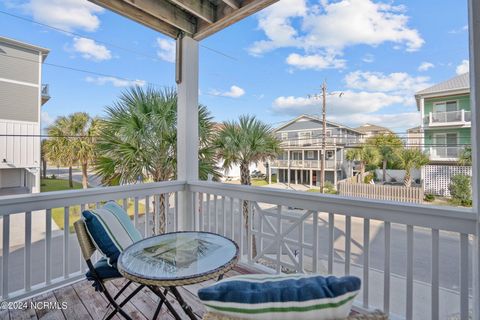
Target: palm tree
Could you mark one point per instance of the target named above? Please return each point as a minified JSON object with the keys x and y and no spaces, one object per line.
{"x":388,"y":145}
{"x":72,"y":141}
{"x":58,"y":148}
{"x":243,"y":143}
{"x":465,"y":158}
{"x":138,"y":140}
{"x":366,"y":155}
{"x":43,"y":157}
{"x":411,"y":159}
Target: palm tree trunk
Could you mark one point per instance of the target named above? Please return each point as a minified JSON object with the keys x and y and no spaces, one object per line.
{"x":384,"y":171}
{"x":70,"y":177}
{"x":245,"y":180}
{"x":84,"y":175}
{"x":44,"y":164}
{"x":408,"y":179}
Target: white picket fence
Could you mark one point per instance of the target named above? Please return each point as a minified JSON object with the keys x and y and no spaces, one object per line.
{"x":382,"y":192}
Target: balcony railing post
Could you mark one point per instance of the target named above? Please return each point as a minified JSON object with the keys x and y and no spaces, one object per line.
{"x":474,"y":42}
{"x":187,"y":126}
{"x":430,"y":118}
{"x":463,"y":115}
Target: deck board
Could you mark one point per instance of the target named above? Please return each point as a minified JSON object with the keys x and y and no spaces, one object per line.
{"x":84,"y":303}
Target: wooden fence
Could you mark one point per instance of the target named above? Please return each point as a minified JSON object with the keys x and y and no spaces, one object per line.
{"x":381,"y":192}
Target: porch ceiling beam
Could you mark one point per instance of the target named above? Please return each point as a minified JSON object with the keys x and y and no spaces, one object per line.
{"x":138,"y":15}
{"x":202,"y":9}
{"x":232,"y":3}
{"x":168,"y":13}
{"x":249,"y":7}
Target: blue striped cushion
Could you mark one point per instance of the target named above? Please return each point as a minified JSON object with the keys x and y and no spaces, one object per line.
{"x":111,"y":230}
{"x":282,"y":297}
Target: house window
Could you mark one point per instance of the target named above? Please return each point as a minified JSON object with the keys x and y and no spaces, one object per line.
{"x":445,"y":106}
{"x":284,"y":136}
{"x":310,"y":154}
{"x":329,"y":154}
{"x":305,"y":135}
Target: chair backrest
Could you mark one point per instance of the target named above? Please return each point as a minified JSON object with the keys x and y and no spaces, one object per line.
{"x":84,"y":240}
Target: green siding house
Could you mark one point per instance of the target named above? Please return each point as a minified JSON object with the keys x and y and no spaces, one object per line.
{"x":446,"y":118}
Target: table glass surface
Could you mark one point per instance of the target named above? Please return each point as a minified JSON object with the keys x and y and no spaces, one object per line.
{"x":177,"y":255}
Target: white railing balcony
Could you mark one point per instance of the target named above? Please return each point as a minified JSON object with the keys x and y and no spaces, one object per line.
{"x":413,"y":260}
{"x":317,"y":142}
{"x":45,"y":93}
{"x":306,"y":164}
{"x":445,"y":153}
{"x":460,"y":117}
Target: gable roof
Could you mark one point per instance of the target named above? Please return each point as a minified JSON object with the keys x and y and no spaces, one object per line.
{"x":368,"y":127}
{"x":315,"y":118}
{"x":460,"y":82}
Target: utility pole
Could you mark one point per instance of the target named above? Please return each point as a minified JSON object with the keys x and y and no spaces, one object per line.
{"x":324,"y":135}
{"x":324,"y":131}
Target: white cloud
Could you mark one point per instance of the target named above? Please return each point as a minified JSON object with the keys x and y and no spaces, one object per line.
{"x":315,"y":61}
{"x":234,"y":92}
{"x":64,"y":14}
{"x":396,"y":122}
{"x":334,"y":25}
{"x":116,"y":82}
{"x":350,"y":102}
{"x":459,"y":30}
{"x":424,"y":66}
{"x":91,"y":50}
{"x":46,"y":119}
{"x":463,"y":67}
{"x":368,"y":58}
{"x":166,"y":49}
{"x":397,"y":82}
{"x":276,"y":22}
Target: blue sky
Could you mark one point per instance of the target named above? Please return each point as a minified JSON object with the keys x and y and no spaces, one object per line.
{"x":377,"y":52}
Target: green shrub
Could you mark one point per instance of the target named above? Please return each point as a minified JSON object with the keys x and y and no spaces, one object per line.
{"x":429,"y":197}
{"x":53,"y":176}
{"x":274,"y":178}
{"x":368,"y":178}
{"x":461,"y":190}
{"x":329,"y":188}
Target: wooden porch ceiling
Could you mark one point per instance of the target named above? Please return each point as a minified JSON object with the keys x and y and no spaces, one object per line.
{"x":195,"y":18}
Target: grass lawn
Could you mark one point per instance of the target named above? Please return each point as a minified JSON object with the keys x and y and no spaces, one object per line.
{"x":47,"y":185}
{"x":59,"y":217}
{"x":259,"y":182}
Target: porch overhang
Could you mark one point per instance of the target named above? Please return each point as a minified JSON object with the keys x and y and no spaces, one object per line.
{"x":197,"y":19}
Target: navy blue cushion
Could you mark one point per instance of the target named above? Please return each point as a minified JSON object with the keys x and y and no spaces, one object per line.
{"x":111,"y":230}
{"x":104,"y":271}
{"x":282,"y":296}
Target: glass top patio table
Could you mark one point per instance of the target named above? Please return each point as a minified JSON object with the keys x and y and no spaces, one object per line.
{"x":178,"y":258}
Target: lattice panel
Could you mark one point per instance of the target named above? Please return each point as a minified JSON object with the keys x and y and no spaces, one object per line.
{"x":436,"y":178}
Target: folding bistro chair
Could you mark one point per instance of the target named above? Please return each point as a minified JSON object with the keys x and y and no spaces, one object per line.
{"x":101,"y":272}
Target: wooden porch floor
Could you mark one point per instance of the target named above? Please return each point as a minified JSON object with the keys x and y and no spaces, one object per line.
{"x":83,"y":303}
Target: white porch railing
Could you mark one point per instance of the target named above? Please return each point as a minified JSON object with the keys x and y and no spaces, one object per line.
{"x":413,"y":260}
{"x":449,"y":117}
{"x":445,"y":153}
{"x":308,"y":164}
{"x":303,"y":232}
{"x":37,"y":256}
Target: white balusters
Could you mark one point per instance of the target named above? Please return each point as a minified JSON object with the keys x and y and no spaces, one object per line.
{"x":28,"y":250}
{"x":348,"y":243}
{"x":331,"y":241}
{"x":366,"y":261}
{"x":5,"y":255}
{"x":66,"y":241}
{"x":386,"y":268}
{"x":464,"y":277}
{"x":48,"y":246}
{"x":409,"y":290}
{"x":435,"y":274}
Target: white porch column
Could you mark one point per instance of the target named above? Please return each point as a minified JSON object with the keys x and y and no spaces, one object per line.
{"x":187,"y":126}
{"x":311,"y":178}
{"x":288,"y":168}
{"x":270,"y":173}
{"x":335,"y":172}
{"x":474,"y":33}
